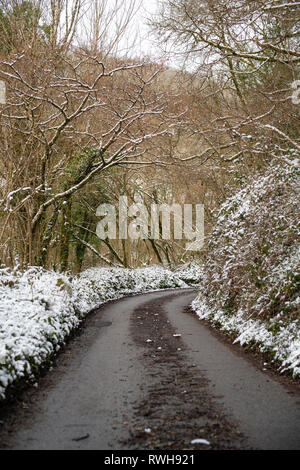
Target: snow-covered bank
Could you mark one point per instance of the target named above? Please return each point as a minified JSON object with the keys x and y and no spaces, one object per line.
{"x":39,"y":309}
{"x":250,"y":283}
{"x":283,"y":344}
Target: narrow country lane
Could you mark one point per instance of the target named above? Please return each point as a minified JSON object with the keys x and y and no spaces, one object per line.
{"x":145,"y":374}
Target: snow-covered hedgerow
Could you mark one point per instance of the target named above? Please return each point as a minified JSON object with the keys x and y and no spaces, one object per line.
{"x":250,"y":279}
{"x":96,"y":285}
{"x":39,"y":309}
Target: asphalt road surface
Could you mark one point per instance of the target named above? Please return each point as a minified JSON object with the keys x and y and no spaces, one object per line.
{"x":143,"y":373}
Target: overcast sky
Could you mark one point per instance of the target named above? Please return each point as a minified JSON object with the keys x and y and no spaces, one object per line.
{"x":149,"y":43}
{"x":146,"y":43}
{"x":148,"y":8}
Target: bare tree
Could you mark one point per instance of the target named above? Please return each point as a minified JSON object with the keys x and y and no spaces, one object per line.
{"x":107,"y":26}
{"x":69,"y":117}
{"x":244,"y":56}
{"x":64,"y":17}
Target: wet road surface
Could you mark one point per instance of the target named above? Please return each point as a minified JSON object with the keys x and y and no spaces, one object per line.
{"x":145,"y":374}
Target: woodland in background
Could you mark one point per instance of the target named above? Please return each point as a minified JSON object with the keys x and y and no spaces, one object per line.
{"x":86,"y":121}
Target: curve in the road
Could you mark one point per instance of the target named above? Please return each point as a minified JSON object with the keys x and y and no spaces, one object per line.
{"x":91,"y":398}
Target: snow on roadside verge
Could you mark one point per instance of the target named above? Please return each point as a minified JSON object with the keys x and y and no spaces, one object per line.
{"x":283,"y":346}
{"x":250,"y":276}
{"x":39,"y":309}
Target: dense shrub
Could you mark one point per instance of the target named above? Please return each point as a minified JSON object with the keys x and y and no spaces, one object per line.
{"x":251,"y":273}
